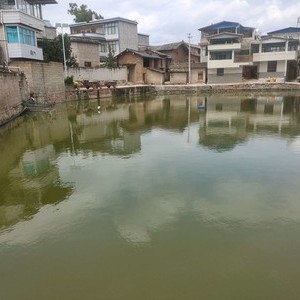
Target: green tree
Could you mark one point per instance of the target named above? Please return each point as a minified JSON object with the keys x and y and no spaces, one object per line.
{"x":82,"y":13}
{"x":110,"y":61}
{"x":53,"y":50}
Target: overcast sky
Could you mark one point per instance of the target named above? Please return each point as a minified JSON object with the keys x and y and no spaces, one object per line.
{"x":170,"y":21}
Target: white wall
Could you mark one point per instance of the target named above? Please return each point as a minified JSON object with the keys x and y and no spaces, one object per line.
{"x":96,"y":74}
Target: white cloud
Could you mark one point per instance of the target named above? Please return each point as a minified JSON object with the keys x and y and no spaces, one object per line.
{"x":170,"y":21}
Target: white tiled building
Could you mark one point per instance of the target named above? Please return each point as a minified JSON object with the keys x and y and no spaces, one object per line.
{"x":20,"y":22}
{"x":234,"y":53}
{"x":116,"y":33}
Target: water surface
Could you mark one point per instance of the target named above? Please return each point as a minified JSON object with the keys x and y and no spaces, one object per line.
{"x":170,"y":198}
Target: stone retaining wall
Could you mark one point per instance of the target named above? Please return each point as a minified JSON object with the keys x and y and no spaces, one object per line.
{"x":45,"y":80}
{"x":12,"y":92}
{"x":227,"y":88}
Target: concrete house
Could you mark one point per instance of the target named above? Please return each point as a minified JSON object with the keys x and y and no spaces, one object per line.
{"x":225,"y":48}
{"x":145,"y":66}
{"x":21,"y":21}
{"x":86,"y":51}
{"x":277,"y":55}
{"x":276,"y":58}
{"x":118,"y":33}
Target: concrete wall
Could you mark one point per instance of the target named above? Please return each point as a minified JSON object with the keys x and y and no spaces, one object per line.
{"x":96,"y":74}
{"x":154,"y":77}
{"x":128,"y":36}
{"x":179,"y":78}
{"x":231,"y":75}
{"x":280,"y":72}
{"x":137,"y":61}
{"x":45,"y":80}
{"x":86,"y":52}
{"x":13,"y":90}
{"x":143,"y":40}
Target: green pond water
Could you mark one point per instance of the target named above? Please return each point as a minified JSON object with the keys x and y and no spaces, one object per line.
{"x":174,"y":197}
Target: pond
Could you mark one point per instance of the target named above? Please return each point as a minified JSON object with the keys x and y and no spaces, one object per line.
{"x":175,"y":197}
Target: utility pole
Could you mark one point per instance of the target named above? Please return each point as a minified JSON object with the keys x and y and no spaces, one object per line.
{"x":189,"y":38}
{"x":62,"y":26}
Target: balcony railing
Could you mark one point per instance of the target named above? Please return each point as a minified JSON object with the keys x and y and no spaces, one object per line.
{"x":243,"y":58}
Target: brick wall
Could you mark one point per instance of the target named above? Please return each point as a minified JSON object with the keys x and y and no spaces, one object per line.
{"x":45,"y":80}
{"x":13,"y":90}
{"x":137,"y":62}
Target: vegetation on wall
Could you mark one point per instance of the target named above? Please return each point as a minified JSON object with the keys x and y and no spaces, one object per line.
{"x":82,"y":13}
{"x":110,"y":61}
{"x":53,"y":50}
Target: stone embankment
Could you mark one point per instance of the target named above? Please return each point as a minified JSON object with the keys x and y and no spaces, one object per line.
{"x":228,"y":88}
{"x":140,"y":90}
{"x":12,"y":92}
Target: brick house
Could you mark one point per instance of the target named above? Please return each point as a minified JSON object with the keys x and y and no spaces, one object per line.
{"x":179,"y":65}
{"x":145,"y":66}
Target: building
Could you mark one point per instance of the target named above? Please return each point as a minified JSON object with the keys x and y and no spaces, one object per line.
{"x":86,"y":51}
{"x":145,"y":66}
{"x":276,"y":58}
{"x":225,"y":48}
{"x":118,"y":33}
{"x":21,"y":21}
{"x":234,"y":53}
{"x":277,"y":55}
{"x":179,"y":65}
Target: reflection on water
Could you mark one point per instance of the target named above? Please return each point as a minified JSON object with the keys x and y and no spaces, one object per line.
{"x":182,"y":189}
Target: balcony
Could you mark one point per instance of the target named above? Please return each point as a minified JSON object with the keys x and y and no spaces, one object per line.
{"x":269,"y":56}
{"x":243,"y":58}
{"x":25,"y":51}
{"x":220,"y":47}
{"x":19,"y":17}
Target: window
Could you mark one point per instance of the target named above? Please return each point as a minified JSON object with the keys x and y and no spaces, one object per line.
{"x":220,"y":72}
{"x":103,"y":48}
{"x":111,"y":28}
{"x":272,"y":66}
{"x":27,"y":36}
{"x":7,"y":4}
{"x":20,"y":35}
{"x":273,"y":47}
{"x":112,"y":46}
{"x":12,"y":34}
{"x":87,"y":64}
{"x":221,"y":55}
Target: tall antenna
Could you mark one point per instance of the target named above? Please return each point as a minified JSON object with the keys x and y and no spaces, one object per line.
{"x":189,"y":38}
{"x":298,"y":21}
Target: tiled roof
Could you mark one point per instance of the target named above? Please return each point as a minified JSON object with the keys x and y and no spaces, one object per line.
{"x":286,"y":30}
{"x":145,"y":53}
{"x":171,"y":46}
{"x":223,"y":25}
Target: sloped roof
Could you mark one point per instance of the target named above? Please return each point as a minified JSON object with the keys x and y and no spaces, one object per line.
{"x":172,"y":46}
{"x":273,"y":37}
{"x":147,"y":53}
{"x":223,"y":25}
{"x":286,"y":30}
